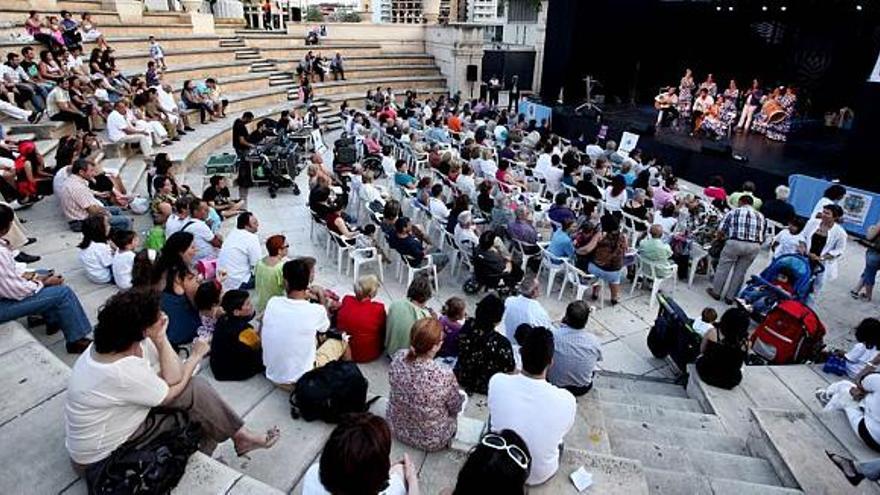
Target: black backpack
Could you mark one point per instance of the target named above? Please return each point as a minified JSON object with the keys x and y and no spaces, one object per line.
{"x":329,"y":392}
{"x":152,"y":463}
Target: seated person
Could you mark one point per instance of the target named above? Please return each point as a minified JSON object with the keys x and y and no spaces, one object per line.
{"x":356,"y":459}
{"x":724,"y":349}
{"x":30,"y":294}
{"x":491,"y":267}
{"x":424,"y":401}
{"x":759,"y":297}
{"x":178,"y":302}
{"x":654,"y":251}
{"x":95,"y":254}
{"x":217,"y":196}
{"x":499,"y":463}
{"x":561,"y":244}
{"x":707,"y":321}
{"x":576,"y":351}
{"x":403,"y":313}
{"x":125,"y":383}
{"x":294,"y":328}
{"x":482,"y":351}
{"x":402,"y":177}
{"x":436,"y":207}
{"x":465,"y":233}
{"x":865,"y":351}
{"x":409,"y":245}
{"x":559,"y":211}
{"x":126,"y":242}
{"x":363,"y":318}
{"x":452,"y":318}
{"x":504,"y":176}
{"x":516,"y":400}
{"x":235,"y":346}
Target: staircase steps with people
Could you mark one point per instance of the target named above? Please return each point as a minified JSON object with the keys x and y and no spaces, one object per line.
{"x":785,"y":424}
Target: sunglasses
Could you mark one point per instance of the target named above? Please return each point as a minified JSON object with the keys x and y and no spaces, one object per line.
{"x":497,"y":442}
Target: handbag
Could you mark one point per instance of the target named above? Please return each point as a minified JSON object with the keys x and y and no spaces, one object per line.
{"x":835,"y":365}
{"x":151,"y":463}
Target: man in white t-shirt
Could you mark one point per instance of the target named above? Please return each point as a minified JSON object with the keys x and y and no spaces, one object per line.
{"x":120,"y":131}
{"x":178,"y":218}
{"x":240,"y":253}
{"x":526,"y":403}
{"x":207,"y":243}
{"x":553,"y":175}
{"x":525,"y":308}
{"x":291,"y":328}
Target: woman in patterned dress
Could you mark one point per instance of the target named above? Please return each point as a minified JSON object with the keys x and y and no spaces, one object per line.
{"x":686,"y":96}
{"x":710,"y":86}
{"x":713,"y":125}
{"x":761,"y":123}
{"x":778,"y":131}
{"x":482,"y":351}
{"x":424,"y":402}
{"x":731,"y":97}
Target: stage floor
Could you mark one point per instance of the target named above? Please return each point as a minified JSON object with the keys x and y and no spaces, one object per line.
{"x":811,"y":149}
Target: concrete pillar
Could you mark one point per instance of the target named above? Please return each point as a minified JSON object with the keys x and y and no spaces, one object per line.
{"x":226,"y":9}
{"x":130,"y":11}
{"x":43,"y":4}
{"x":541,"y":36}
{"x":431,"y":11}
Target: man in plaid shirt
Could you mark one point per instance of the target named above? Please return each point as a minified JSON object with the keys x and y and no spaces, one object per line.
{"x":744,"y":229}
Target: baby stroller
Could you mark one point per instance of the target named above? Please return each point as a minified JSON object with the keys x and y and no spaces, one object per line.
{"x":673,"y":335}
{"x":789,"y":277}
{"x":276,"y":164}
{"x":791,"y":334}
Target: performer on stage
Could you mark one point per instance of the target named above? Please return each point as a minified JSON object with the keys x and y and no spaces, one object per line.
{"x":728,"y":111}
{"x":770,"y":110}
{"x":701,"y":106}
{"x":713,"y":124}
{"x":667,"y":105}
{"x":752,"y":101}
{"x":709,"y":85}
{"x":777,"y":130}
{"x":513,"y":95}
{"x":686,"y":96}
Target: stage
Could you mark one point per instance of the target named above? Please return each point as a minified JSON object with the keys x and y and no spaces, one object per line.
{"x":811,"y":149}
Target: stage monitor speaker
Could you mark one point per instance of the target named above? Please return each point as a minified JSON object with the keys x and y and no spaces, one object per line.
{"x":717,"y":148}
{"x":472,"y":73}
{"x":641,"y":128}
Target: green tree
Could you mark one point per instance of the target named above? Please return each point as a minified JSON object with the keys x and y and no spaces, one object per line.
{"x":313,"y":14}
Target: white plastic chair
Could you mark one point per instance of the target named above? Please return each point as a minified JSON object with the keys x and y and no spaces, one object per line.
{"x":343,"y":246}
{"x":578,"y":278}
{"x":363,"y":256}
{"x":646,"y":270}
{"x":698,"y":253}
{"x":552,"y":263}
{"x":522,"y":247}
{"x":411,"y":270}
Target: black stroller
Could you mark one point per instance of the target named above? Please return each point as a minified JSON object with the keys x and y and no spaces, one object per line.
{"x":673,"y":334}
{"x":276,"y":162}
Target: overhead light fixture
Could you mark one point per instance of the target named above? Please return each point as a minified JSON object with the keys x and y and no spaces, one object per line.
{"x":718,"y":8}
{"x":764,"y":8}
{"x":783,"y":8}
{"x":859,"y":7}
{"x":730,"y":9}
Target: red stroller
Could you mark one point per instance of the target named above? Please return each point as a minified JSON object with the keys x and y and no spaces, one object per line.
{"x":790,"y":334}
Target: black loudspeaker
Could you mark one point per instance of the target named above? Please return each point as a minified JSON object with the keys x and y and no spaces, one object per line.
{"x":641,"y":128}
{"x":472,"y":73}
{"x":717,"y":148}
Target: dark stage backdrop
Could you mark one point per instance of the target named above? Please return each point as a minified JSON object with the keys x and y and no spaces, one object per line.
{"x":825,"y":47}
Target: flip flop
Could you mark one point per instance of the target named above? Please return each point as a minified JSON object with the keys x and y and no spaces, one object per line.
{"x":847,"y":468}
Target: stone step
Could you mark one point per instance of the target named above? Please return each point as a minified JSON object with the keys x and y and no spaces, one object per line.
{"x":663,"y":417}
{"x":625,"y":397}
{"x":639,"y":386}
{"x":705,"y":462}
{"x":661,"y":482}
{"x":674,"y":436}
{"x":611,"y":475}
{"x":795,"y":442}
{"x":215,"y":54}
{"x":45,"y":129}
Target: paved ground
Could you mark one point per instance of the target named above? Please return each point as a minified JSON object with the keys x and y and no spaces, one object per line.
{"x":622,"y":329}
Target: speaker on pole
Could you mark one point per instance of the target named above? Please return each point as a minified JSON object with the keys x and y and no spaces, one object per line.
{"x":472,"y":73}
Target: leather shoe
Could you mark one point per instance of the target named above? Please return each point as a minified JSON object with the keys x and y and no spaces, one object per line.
{"x":78,"y":347}
{"x":30,"y":241}
{"x":713,"y":294}
{"x":26,"y":258}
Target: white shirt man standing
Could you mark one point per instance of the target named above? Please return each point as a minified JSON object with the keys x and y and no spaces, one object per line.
{"x":240,"y":253}
{"x":526,"y":403}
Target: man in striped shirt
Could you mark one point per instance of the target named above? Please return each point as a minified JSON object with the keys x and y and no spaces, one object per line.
{"x":48,"y":297}
{"x":744,"y":230}
{"x":78,"y":201}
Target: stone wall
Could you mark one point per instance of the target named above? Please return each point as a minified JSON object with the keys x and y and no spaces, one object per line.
{"x":454,"y":47}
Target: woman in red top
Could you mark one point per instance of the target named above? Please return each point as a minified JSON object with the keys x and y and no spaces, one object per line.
{"x":364,"y":320}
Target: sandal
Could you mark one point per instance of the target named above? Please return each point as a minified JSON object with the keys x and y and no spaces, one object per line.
{"x":847,"y":467}
{"x":272,"y":436}
{"x":855,"y":294}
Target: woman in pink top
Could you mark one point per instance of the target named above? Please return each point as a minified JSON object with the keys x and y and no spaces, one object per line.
{"x":715,"y":191}
{"x":665,"y":194}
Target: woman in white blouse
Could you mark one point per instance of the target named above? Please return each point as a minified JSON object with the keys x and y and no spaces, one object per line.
{"x":129,"y":370}
{"x":826,"y":243}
